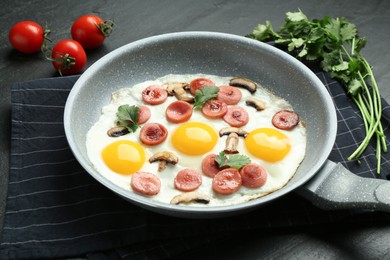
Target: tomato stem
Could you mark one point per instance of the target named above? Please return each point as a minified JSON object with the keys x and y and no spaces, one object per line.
{"x":106,"y":27}
{"x":45,"y":48}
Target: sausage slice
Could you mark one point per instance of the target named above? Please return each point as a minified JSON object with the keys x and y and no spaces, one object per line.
{"x":145,"y":183}
{"x":188,"y":180}
{"x":236,"y":116}
{"x":227,"y":181}
{"x":285,"y":119}
{"x":253,"y":175}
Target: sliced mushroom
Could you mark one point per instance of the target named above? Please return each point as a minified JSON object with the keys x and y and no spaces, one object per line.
{"x":231,"y":143}
{"x":244,"y":83}
{"x":163,"y":158}
{"x":229,"y":130}
{"x":181,"y":94}
{"x":189,"y":197}
{"x":117,"y":131}
{"x":256,"y":103}
{"x":171,"y":86}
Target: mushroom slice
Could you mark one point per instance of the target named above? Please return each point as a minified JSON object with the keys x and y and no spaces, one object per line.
{"x":163,"y":158}
{"x":117,"y":131}
{"x":256,"y":103}
{"x":181,"y":94}
{"x":229,"y":130}
{"x":244,"y":83}
{"x":171,"y":86}
{"x":189,"y":197}
{"x":231,"y":143}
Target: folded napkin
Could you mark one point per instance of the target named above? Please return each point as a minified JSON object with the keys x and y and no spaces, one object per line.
{"x":55,"y":209}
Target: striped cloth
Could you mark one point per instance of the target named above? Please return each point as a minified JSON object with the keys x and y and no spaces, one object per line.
{"x":56,"y":210}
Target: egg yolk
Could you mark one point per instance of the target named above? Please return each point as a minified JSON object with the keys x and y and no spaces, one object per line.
{"x":194,"y":138}
{"x":124,"y":157}
{"x":268,"y":144}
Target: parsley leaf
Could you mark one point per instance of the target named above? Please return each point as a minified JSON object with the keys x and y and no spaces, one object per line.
{"x":235,"y":161}
{"x":335,"y":43}
{"x":205,"y":94}
{"x":128,"y":117}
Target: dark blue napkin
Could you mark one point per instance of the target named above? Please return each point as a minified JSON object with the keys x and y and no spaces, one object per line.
{"x":56,"y":210}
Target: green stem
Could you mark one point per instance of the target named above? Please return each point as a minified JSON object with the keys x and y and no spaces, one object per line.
{"x":378,"y":111}
{"x":371,"y":120}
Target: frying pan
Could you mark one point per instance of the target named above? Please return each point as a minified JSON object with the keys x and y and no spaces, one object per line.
{"x":326,"y":184}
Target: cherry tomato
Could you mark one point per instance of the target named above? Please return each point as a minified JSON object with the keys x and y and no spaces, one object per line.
{"x":68,"y":57}
{"x":27,"y":37}
{"x":91,"y":30}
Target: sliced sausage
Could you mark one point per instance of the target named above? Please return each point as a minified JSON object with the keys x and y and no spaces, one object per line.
{"x":285,"y":119}
{"x":227,"y":181}
{"x":214,"y":109}
{"x":154,"y":95}
{"x":145,"y":183}
{"x":178,"y":112}
{"x":236,"y":116}
{"x":199,"y":83}
{"x":188,"y":180}
{"x":253,"y":175}
{"x":209,"y":166}
{"x":153,"y":134}
{"x":230,"y":95}
{"x":143,"y":115}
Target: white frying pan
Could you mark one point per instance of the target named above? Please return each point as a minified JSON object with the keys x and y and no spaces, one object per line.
{"x":326,"y":184}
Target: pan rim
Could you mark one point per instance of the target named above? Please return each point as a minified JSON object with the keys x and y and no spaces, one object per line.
{"x":186,"y":211}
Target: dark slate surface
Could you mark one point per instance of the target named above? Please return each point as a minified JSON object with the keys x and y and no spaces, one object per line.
{"x":364,"y":239}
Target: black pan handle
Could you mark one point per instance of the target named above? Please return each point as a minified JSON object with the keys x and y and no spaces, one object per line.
{"x":335,"y":187}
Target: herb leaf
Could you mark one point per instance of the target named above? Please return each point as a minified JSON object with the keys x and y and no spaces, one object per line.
{"x":336,"y":44}
{"x":235,"y":161}
{"x":128,"y":117}
{"x":205,"y":94}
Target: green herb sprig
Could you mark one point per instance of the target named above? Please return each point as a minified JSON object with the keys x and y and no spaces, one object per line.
{"x":235,"y":161}
{"x":128,"y":117}
{"x":335,"y":42}
{"x":204,"y":94}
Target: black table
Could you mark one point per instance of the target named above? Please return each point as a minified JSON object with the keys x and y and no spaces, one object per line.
{"x":138,"y":19}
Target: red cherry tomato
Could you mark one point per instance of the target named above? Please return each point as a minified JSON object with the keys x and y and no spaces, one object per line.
{"x":90,"y":30}
{"x":68,"y":57}
{"x":27,"y":37}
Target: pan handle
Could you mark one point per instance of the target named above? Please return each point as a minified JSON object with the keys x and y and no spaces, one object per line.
{"x":335,"y":187}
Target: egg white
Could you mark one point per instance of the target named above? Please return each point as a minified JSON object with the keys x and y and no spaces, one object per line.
{"x":279,"y":172}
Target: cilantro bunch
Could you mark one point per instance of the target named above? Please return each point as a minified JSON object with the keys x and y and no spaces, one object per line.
{"x":336,"y":44}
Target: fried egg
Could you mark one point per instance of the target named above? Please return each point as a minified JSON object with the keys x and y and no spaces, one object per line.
{"x":280,"y":152}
